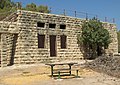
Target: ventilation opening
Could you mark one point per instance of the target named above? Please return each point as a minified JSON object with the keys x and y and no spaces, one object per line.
{"x":40,"y":24}
{"x":63,"y":41}
{"x":62,"y":26}
{"x":41,"y":41}
{"x":52,"y":25}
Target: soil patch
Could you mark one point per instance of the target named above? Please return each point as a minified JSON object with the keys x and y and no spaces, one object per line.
{"x":106,"y":64}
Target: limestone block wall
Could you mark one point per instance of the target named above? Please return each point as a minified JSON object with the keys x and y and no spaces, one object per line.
{"x":19,"y":40}
{"x":3,"y":50}
{"x":11,"y":48}
{"x":113,"y":46}
{"x":7,"y":49}
{"x":27,"y":48}
{"x":27,"y":51}
{"x":7,"y":32}
{"x":10,"y":27}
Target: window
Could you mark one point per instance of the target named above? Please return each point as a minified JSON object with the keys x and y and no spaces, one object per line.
{"x":63,"y":41}
{"x":62,"y":26}
{"x":52,"y":25}
{"x":40,"y":24}
{"x":41,"y":41}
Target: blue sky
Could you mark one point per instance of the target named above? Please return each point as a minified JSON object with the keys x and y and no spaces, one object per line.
{"x":101,"y":8}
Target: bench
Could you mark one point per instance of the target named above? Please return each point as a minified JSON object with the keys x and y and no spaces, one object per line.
{"x":59,"y":71}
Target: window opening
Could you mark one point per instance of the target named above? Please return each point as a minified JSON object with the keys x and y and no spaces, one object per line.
{"x":40,"y":24}
{"x":63,"y":41}
{"x":62,"y":26}
{"x":41,"y":41}
{"x":52,"y":25}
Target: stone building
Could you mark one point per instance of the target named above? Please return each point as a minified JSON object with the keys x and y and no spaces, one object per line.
{"x":30,"y":37}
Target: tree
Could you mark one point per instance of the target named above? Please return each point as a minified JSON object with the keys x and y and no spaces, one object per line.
{"x":6,"y":8}
{"x":18,"y":5}
{"x":94,"y":37}
{"x":31,"y":7}
{"x":5,"y":4}
{"x":34,"y":7}
{"x":43,"y":9}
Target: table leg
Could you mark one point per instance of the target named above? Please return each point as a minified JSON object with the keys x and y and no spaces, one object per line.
{"x":77,"y":74}
{"x":59,"y":75}
{"x":52,"y":70}
{"x":70,"y":69}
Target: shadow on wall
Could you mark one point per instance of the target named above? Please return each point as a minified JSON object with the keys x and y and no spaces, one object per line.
{"x":11,"y":62}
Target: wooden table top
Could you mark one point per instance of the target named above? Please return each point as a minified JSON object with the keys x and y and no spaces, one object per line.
{"x":69,"y":63}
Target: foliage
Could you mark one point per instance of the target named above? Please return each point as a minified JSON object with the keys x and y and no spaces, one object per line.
{"x":6,"y":4}
{"x":94,"y":36}
{"x":18,"y":5}
{"x":7,"y":7}
{"x":118,"y":36}
{"x":34,"y":7}
{"x":43,"y":9}
{"x":31,"y":7}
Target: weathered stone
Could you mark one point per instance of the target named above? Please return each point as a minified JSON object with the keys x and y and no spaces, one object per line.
{"x":20,"y":45}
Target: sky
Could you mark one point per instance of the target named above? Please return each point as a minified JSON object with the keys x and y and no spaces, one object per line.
{"x":105,"y":10}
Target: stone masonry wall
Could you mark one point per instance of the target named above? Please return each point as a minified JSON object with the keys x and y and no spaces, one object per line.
{"x":8,"y":27}
{"x":7,"y":32}
{"x":113,"y":46}
{"x":27,"y":51}
{"x":19,"y":40}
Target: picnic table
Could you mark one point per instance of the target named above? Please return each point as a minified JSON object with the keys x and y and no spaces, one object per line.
{"x":70,"y":64}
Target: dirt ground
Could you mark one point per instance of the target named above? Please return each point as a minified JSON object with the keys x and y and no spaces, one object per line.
{"x":40,"y":75}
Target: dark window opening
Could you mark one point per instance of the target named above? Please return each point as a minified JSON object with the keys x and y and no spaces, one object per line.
{"x":40,"y":24}
{"x":41,"y":41}
{"x":62,"y":26}
{"x":52,"y":25}
{"x":63,"y":41}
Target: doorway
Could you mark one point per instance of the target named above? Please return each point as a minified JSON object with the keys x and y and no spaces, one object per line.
{"x":52,"y":45}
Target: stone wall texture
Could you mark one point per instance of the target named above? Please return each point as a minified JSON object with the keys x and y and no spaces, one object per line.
{"x":19,"y":40}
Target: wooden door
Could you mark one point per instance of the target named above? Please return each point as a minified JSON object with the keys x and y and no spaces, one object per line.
{"x":52,"y":46}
